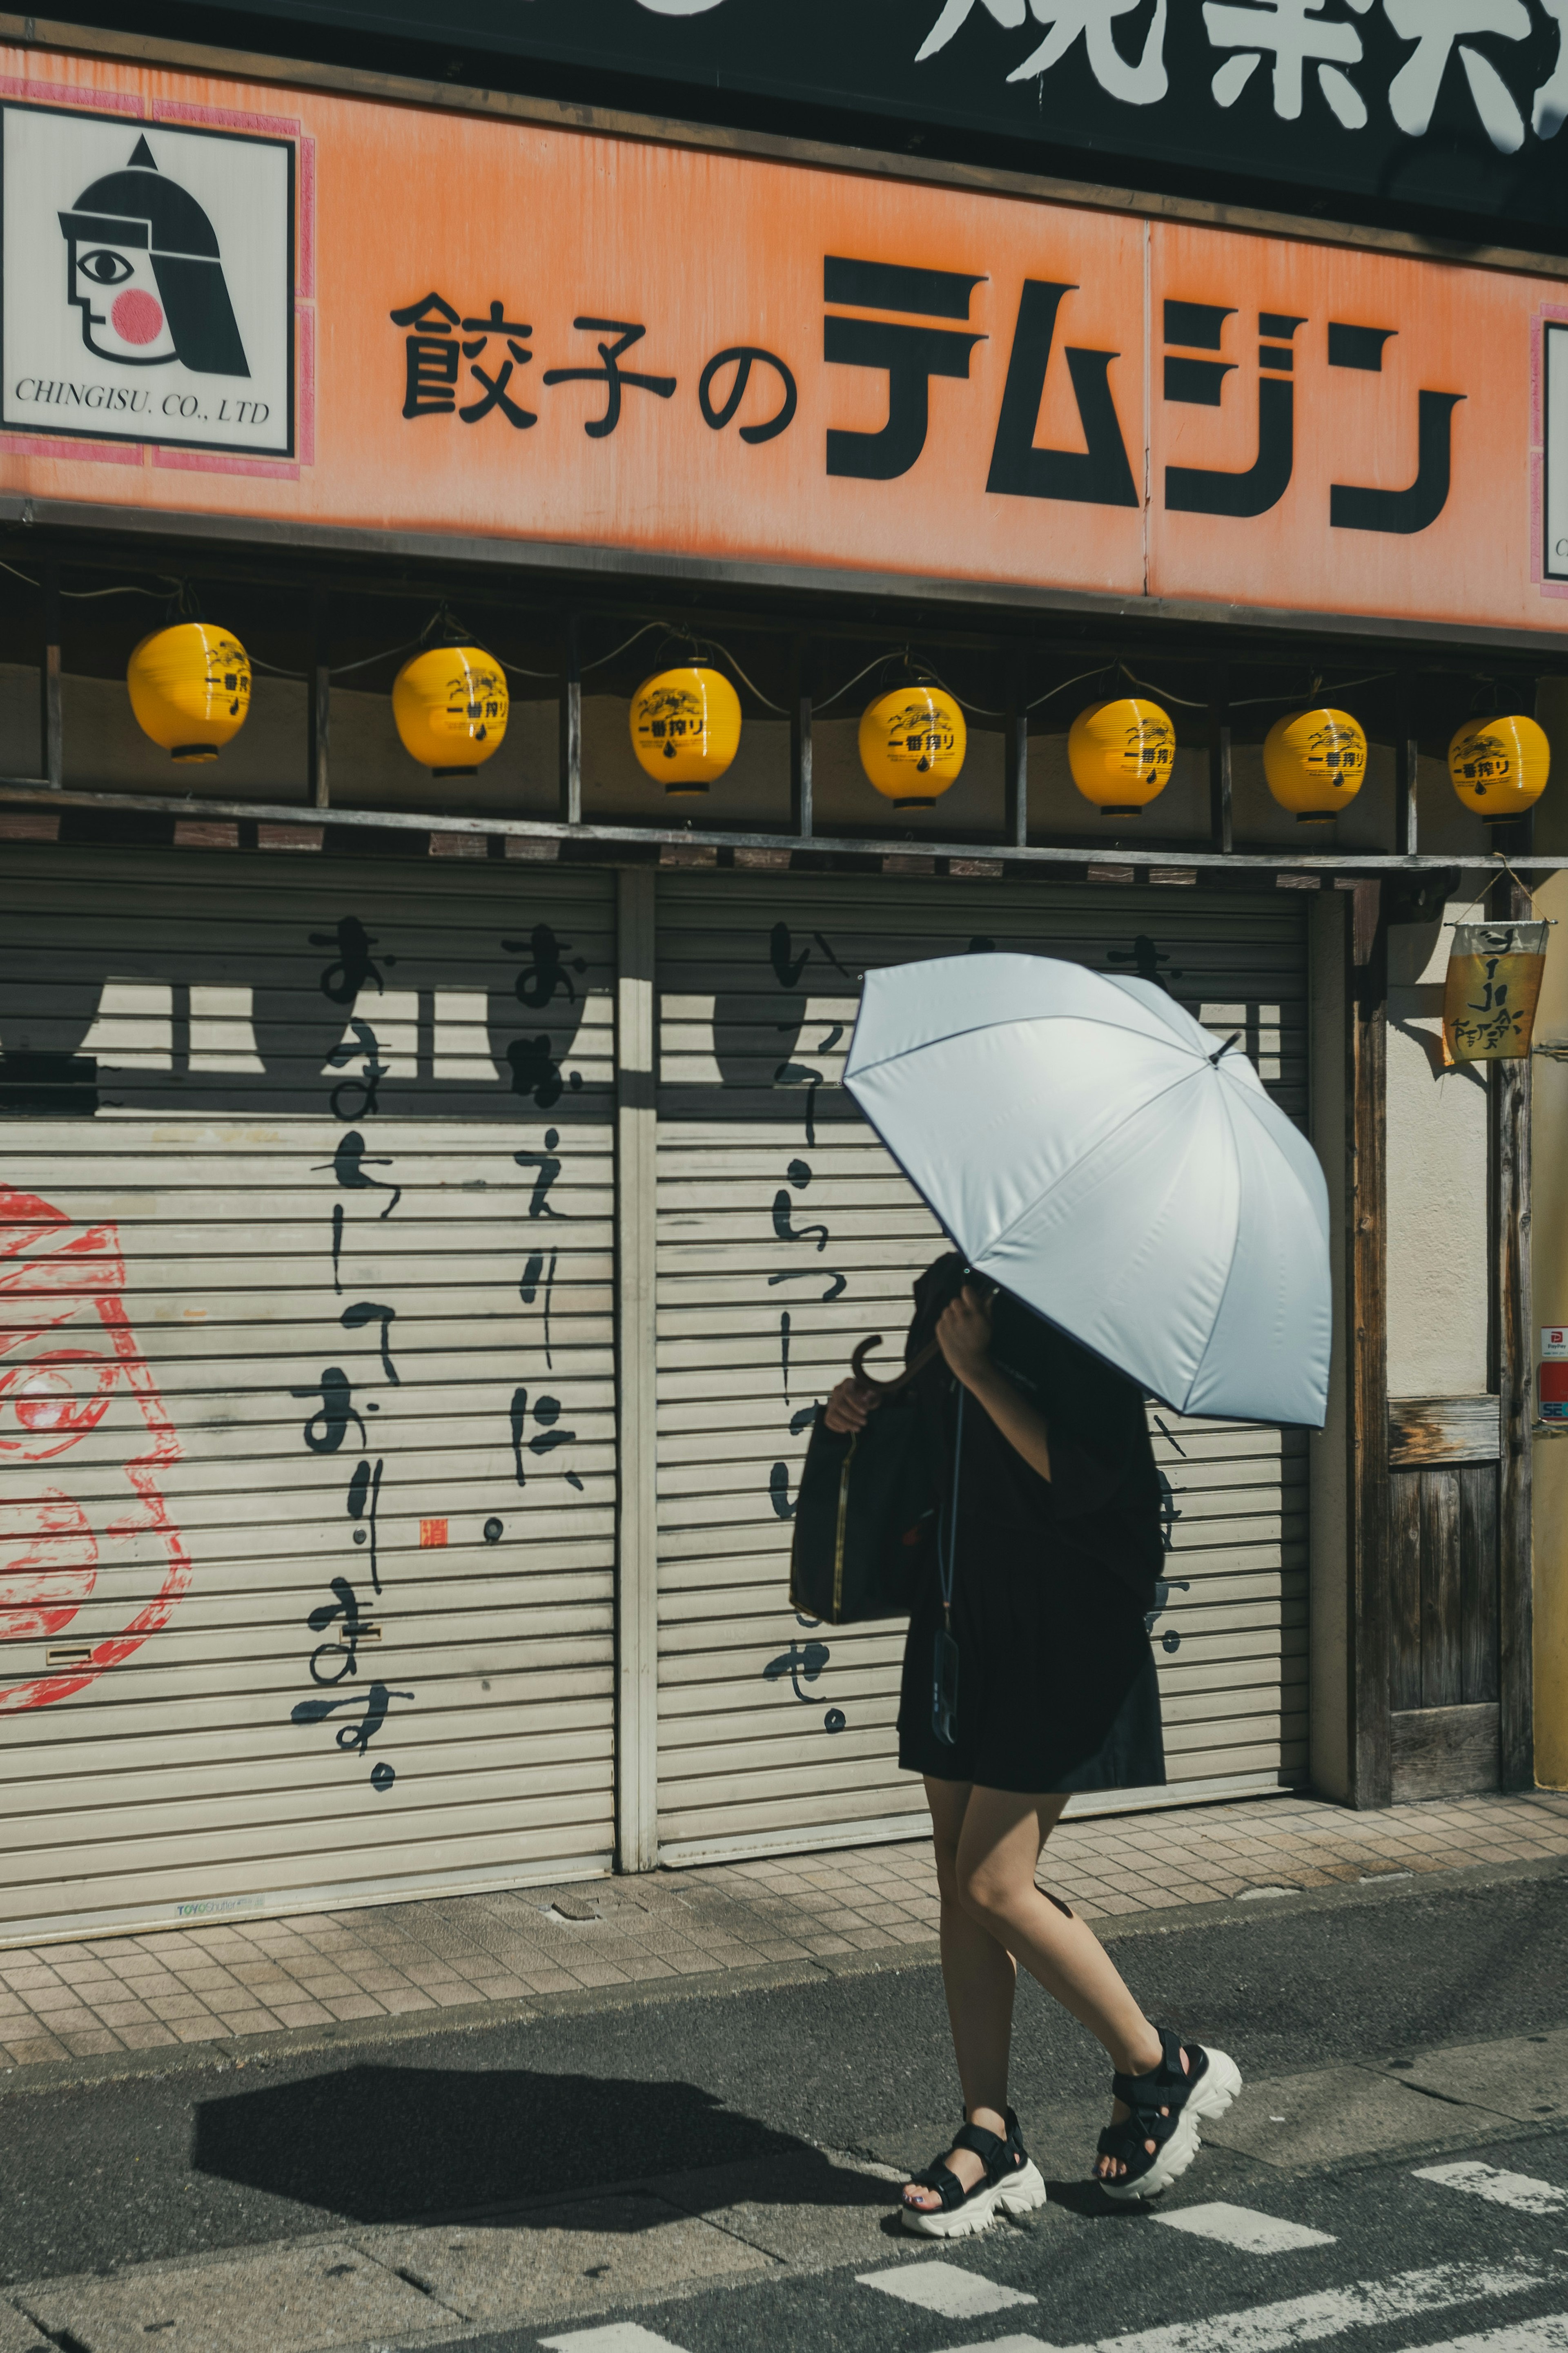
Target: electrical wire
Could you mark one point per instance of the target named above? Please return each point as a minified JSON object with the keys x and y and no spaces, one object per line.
{"x":85,"y":596}
{"x":829,"y":699}
{"x":599,"y":661}
{"x":740,"y":673}
{"x":368,"y":661}
{"x":1250,"y":701}
{"x":1098,"y":671}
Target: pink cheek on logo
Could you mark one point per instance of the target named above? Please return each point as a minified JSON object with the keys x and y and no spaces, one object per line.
{"x":135,"y":317}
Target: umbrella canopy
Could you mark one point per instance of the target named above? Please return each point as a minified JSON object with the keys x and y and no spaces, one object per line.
{"x":1085,"y":1145}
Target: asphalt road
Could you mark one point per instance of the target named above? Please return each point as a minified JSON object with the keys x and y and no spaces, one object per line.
{"x":1094,"y":2276}
{"x":205,"y":2155}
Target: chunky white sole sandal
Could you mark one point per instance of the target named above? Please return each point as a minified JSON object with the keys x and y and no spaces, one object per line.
{"x":1011,"y":2184}
{"x":1168,"y":2105}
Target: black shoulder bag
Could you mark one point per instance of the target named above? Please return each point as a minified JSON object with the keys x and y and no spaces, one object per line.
{"x":865,"y":1516}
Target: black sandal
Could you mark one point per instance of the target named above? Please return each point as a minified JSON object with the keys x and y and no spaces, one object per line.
{"x":1166,"y":2106}
{"x":1011,"y":2181}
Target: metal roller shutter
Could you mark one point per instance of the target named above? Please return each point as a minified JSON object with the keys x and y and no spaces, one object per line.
{"x":306,"y":1381}
{"x":786,"y":1234}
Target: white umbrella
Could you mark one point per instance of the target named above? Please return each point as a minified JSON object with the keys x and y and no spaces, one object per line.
{"x":1089,"y":1147}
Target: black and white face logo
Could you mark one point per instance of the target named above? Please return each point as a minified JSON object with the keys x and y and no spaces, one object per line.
{"x":147,"y":281}
{"x":146,"y":273}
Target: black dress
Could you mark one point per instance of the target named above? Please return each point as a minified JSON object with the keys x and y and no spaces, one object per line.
{"x":1053,"y":1578}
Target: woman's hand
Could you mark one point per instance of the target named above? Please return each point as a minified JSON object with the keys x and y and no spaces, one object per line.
{"x":963,"y":1335}
{"x":848,"y":1408}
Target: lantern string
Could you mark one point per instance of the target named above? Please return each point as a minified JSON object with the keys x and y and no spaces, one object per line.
{"x":1501,"y":857}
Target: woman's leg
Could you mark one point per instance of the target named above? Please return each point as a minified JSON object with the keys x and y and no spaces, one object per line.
{"x":999,"y":1848}
{"x":979,"y":1977}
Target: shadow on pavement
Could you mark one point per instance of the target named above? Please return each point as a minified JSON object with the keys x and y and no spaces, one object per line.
{"x":379,"y":2144}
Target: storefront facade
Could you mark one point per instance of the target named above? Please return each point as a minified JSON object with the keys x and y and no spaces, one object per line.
{"x":448,"y":1184}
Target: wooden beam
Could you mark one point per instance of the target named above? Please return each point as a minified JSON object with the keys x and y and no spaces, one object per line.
{"x":1222,"y":831}
{"x":1512,"y":1377}
{"x":1368,"y":1612}
{"x":51,"y":722}
{"x":1068,"y":857}
{"x":1444,"y":1752}
{"x":1424,"y":1431}
{"x":637,"y":1537}
{"x":570,"y":805}
{"x":801,"y":816}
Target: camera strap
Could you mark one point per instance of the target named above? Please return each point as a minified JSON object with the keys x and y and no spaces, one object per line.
{"x":947,"y":1552}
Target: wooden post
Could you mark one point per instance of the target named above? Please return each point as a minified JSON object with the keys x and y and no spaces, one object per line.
{"x":1221,"y":830}
{"x":571,"y":800}
{"x":51,"y":724}
{"x":1367,"y":1613}
{"x":802,"y":816}
{"x":1015,"y":818}
{"x":1406,"y":761}
{"x":637,"y":1546}
{"x":1512,"y":1376}
{"x":321,"y":697}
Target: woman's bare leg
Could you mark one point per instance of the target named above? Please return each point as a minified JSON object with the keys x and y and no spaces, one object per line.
{"x":979,"y":1977}
{"x":999,"y":1848}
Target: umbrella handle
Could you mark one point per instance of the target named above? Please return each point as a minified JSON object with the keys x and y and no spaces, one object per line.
{"x":889,"y":1388}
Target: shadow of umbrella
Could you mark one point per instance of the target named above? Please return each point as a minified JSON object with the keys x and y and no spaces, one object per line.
{"x":385,"y":2144}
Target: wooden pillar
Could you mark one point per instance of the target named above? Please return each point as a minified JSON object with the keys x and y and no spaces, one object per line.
{"x":570,"y":807}
{"x":802,"y":818}
{"x":1016,"y":816}
{"x":1222,"y":833}
{"x":1406,"y":761}
{"x":637,"y":1539}
{"x":1366,"y":1090}
{"x":321,"y":702}
{"x":1512,"y":1376}
{"x":51,"y":725}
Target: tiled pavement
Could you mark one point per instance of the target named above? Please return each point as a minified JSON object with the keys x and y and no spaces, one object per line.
{"x":205,"y":1984}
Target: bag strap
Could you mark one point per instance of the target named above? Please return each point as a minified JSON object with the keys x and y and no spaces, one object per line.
{"x":947,"y":1554}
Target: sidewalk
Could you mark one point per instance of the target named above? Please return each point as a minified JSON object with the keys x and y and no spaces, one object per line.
{"x":207,"y":1984}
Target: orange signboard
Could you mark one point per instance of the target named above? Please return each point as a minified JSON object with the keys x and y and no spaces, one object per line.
{"x":455,"y":324}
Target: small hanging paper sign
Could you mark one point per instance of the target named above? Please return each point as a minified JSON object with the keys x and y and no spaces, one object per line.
{"x":1494,"y":983}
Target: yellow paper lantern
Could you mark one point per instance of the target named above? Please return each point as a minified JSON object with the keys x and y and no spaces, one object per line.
{"x":686,"y":727}
{"x":912,"y":744}
{"x":1121,"y":754}
{"x":450,"y":705}
{"x":1499,"y":767}
{"x":1315,"y":763}
{"x":190,"y":688}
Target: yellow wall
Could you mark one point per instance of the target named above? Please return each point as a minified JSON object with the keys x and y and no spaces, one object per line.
{"x":1550,"y":1274}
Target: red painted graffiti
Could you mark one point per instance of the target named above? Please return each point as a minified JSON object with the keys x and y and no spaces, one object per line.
{"x":91,"y":1546}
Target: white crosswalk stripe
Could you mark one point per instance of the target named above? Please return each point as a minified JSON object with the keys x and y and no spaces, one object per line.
{"x":942,"y":2288}
{"x":1520,"y":2191}
{"x":1549,"y":2335}
{"x":1307,"y":2320}
{"x":1239,"y":2226}
{"x":620,"y":2336}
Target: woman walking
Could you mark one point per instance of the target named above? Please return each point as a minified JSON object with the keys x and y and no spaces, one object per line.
{"x":1052,"y":1551}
